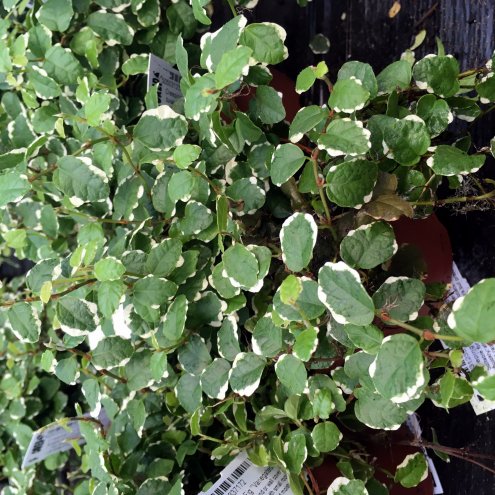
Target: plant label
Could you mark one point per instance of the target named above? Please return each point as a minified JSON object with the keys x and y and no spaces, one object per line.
{"x":166,"y":77}
{"x":476,"y":353}
{"x":56,"y":437}
{"x":242,"y":477}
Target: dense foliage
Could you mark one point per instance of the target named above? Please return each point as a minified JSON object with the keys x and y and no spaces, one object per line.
{"x":201,"y":272}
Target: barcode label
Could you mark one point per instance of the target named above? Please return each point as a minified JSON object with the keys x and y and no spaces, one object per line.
{"x":225,"y":485}
{"x":242,"y":477}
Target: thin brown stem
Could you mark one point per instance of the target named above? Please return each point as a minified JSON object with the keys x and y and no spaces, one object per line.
{"x":54,"y":296}
{"x":425,"y":334}
{"x":455,"y":199}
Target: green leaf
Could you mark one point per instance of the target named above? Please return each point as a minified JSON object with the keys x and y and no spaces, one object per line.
{"x":160,"y":129}
{"x":24,"y":321}
{"x":298,"y":238}
{"x":368,"y":338}
{"x":407,"y":139}
{"x":49,"y":221}
{"x":437,"y":74}
{"x":400,"y":297}
{"x":160,"y":196}
{"x":228,"y":339}
{"x":348,"y":96}
{"x":286,"y":161}
{"x":369,"y":245}
{"x":196,"y":220}
{"x":306,"y":344}
{"x":450,"y":161}
{"x":248,"y":193}
{"x":159,"y":366}
{"x":109,"y":269}
{"x":194,"y":357}
{"x":111,"y":352}
{"x":267,"y":105}
{"x":61,"y":65}
{"x":295,"y":453}
{"x":290,"y":289}
{"x":341,"y":291}
{"x":13,"y":187}
{"x":109,"y":296}
{"x":473,"y":315}
{"x":95,"y":107}
{"x":215,"y":379}
{"x":486,"y":88}
{"x":47,"y":361}
{"x":174,"y":322}
{"x":76,"y":316}
{"x":91,"y":391}
{"x":188,"y":392}
{"x":351,"y":183}
{"x":306,"y":307}
{"x":80,"y":180}
{"x":181,"y":19}
{"x":306,"y":120}
{"x":266,"y":40}
{"x":186,"y":154}
{"x":44,"y":86}
{"x":135,"y":64}
{"x":345,"y":137}
{"x":199,"y":12}
{"x":201,"y":97}
{"x":241,"y":266}
{"x":56,"y":14}
{"x":111,"y":27}
{"x":326,"y":436}
{"x":246,"y":373}
{"x":436,"y":114}
{"x":164,"y":258}
{"x":305,"y":79}
{"x":345,"y":486}
{"x":362,"y":72}
{"x":412,"y":470}
{"x":376,"y":412}
{"x":232,"y":65}
{"x":214,"y":45}
{"x":149,"y":293}
{"x":396,"y":76}
{"x":398,"y":372}
{"x":66,"y":370}
{"x":292,"y":373}
{"x":483,"y":381}
{"x":267,"y":338}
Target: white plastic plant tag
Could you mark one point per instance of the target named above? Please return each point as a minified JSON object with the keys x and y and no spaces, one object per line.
{"x":414,"y":426}
{"x":54,"y":438}
{"x":167,"y":78}
{"x":242,"y":477}
{"x":476,"y":353}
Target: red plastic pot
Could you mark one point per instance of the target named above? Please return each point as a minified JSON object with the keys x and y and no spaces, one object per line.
{"x":432,"y":239}
{"x":282,"y":84}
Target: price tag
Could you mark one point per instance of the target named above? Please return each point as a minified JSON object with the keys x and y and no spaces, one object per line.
{"x":242,"y":477}
{"x":167,"y":78}
{"x":56,"y":437}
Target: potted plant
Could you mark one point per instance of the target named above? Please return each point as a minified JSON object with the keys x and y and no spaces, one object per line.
{"x":212,"y":278}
